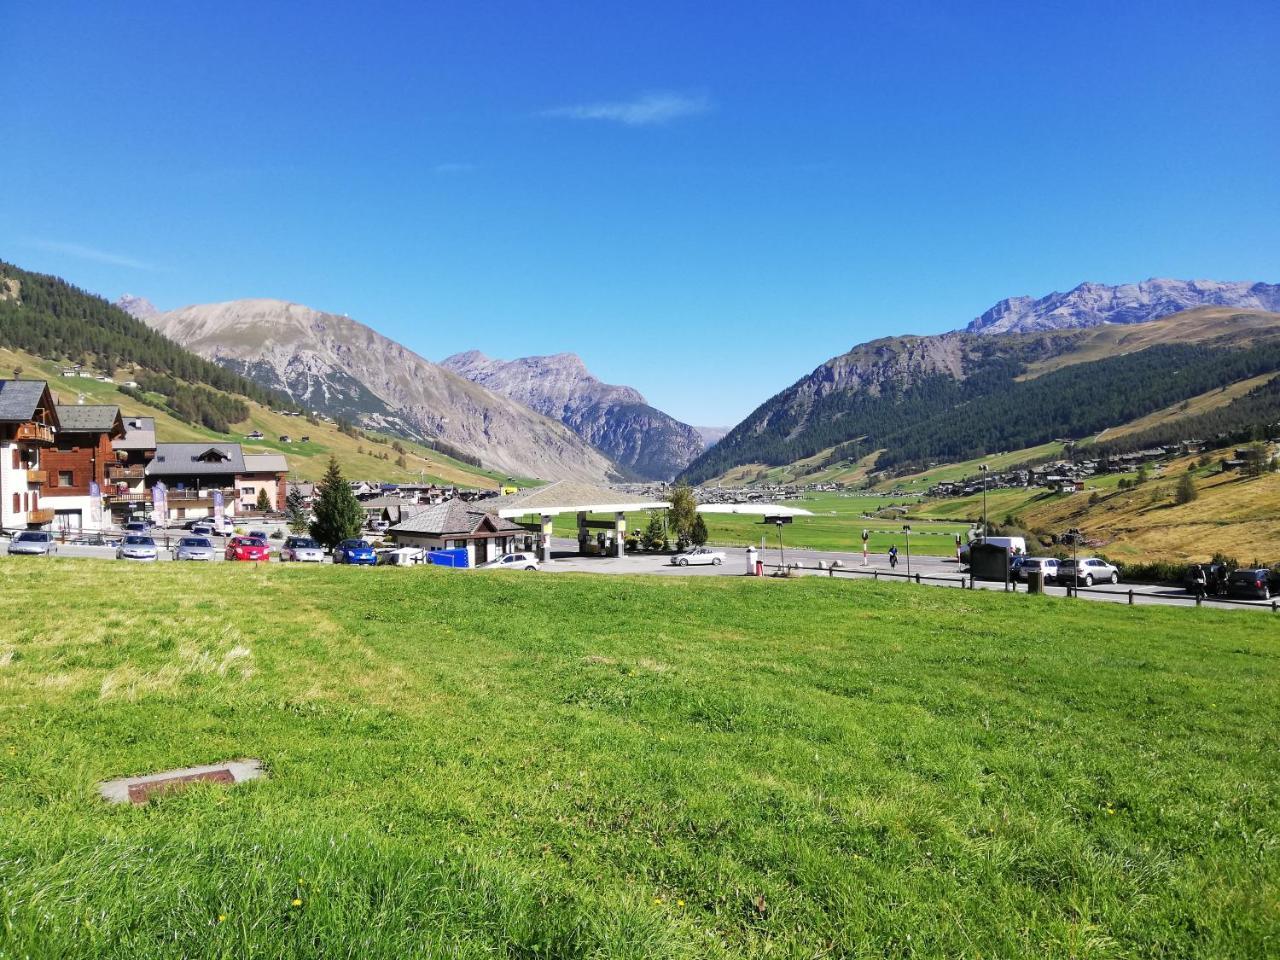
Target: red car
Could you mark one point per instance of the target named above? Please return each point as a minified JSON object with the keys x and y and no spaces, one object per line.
{"x":248,"y":548}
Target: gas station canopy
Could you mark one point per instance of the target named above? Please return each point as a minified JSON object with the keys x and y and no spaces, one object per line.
{"x":567,"y":496}
{"x":755,"y":509}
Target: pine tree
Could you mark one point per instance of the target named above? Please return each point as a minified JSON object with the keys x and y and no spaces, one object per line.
{"x":264,"y":500}
{"x":338,"y":513}
{"x":1186,"y":491}
{"x":296,"y":513}
{"x":653,"y":533}
{"x":699,"y":533}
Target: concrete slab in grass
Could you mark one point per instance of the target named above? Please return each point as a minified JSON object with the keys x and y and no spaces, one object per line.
{"x":138,"y":790}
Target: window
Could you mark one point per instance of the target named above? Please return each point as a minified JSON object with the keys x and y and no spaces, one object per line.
{"x":66,"y":478}
{"x":17,"y":504}
{"x":247,"y":491}
{"x":17,"y":462}
{"x":26,"y":502}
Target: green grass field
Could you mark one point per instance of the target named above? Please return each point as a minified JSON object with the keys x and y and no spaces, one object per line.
{"x":470,"y":765}
{"x":837,"y":524}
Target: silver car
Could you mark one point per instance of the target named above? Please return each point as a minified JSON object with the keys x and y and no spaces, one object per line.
{"x":1046,"y":565}
{"x":34,"y":542}
{"x":1091,"y":570}
{"x":302,"y":550}
{"x":136,"y":546}
{"x":194,"y":548}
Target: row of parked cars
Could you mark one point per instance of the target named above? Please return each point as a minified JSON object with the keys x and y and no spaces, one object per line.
{"x":1086,"y":571}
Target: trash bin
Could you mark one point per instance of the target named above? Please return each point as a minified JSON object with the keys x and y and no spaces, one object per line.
{"x":1035,"y":581}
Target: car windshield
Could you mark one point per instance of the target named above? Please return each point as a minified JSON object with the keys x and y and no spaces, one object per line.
{"x":195,"y":542}
{"x":356,"y":544}
{"x":253,"y":542}
{"x":302,"y":543}
{"x":136,"y":541}
{"x":32,"y":536}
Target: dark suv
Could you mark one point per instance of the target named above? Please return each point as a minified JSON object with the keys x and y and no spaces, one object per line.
{"x":1252,"y":582}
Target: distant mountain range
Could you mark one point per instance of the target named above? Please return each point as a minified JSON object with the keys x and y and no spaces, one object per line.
{"x":1003,"y":382}
{"x":1090,"y":304}
{"x":340,"y":367}
{"x":616,"y":420}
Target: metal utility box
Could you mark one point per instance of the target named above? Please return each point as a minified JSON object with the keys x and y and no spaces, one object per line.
{"x":989,"y":562}
{"x":453,"y":557}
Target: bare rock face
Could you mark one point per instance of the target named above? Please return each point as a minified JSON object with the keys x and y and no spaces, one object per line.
{"x":140,"y":308}
{"x":615,"y":419}
{"x":1091,"y":304}
{"x":337,"y":366}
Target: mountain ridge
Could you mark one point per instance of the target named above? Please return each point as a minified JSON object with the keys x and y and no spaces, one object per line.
{"x":615,"y":419}
{"x":347,"y":369}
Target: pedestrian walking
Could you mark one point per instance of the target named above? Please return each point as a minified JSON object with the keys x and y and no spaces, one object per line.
{"x":1199,"y":581}
{"x":893,"y":556}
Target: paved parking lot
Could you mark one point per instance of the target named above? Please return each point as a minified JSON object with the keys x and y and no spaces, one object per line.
{"x":934,"y":571}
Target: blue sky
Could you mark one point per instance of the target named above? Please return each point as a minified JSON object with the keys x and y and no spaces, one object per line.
{"x":704,"y":200}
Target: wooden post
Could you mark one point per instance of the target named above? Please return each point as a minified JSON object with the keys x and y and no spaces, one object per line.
{"x":1131,"y":597}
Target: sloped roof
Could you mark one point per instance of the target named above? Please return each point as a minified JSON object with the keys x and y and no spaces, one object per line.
{"x":20,"y":398}
{"x":566,"y":496}
{"x":193,"y":459}
{"x":452,"y":517}
{"x":139,"y":434}
{"x":265,"y":463}
{"x":90,"y":418}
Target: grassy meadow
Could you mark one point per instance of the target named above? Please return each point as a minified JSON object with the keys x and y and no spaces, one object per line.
{"x":837,"y":525}
{"x":471,"y":765}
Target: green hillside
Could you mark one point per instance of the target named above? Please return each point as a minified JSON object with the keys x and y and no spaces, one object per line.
{"x":469,"y":765}
{"x":367,"y":456}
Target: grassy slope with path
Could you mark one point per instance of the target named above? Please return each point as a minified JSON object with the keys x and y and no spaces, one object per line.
{"x":569,"y":766}
{"x":307,"y":461}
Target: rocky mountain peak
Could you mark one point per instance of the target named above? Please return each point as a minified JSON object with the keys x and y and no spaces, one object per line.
{"x":137,"y":307}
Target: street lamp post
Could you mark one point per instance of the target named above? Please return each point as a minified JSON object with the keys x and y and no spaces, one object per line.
{"x":906,"y":533}
{"x":985,"y":470}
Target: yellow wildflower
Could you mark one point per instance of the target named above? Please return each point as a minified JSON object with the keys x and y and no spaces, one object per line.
{"x":297,"y":902}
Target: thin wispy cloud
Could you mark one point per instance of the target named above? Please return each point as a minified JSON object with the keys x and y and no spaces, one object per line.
{"x":83,"y":252}
{"x":650,"y":109}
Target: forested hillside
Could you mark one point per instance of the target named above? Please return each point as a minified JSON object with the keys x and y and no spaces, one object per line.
{"x":937,"y":416}
{"x":51,"y":318}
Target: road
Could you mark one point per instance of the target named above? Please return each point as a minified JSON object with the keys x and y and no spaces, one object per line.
{"x":934,"y":571}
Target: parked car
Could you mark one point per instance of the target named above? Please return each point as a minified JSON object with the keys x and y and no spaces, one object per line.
{"x":698,"y":555}
{"x":379,"y":526}
{"x":202,"y":529}
{"x":259,"y":534}
{"x":248,"y":548}
{"x":137,"y":546}
{"x":137,"y":526}
{"x":301,"y":550}
{"x":511,"y":561}
{"x":194,"y":548}
{"x":1252,"y":582}
{"x":33,"y":542}
{"x":1091,"y":571}
{"x":1046,"y":565}
{"x":355,"y":552}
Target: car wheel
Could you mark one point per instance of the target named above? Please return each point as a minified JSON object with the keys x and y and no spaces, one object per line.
{"x":716,"y":562}
{"x":531,"y":568}
{"x":684,"y":563}
{"x":1088,"y":579}
{"x":1115,"y":578}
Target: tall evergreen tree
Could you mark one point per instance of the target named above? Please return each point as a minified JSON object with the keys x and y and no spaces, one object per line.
{"x":682,"y":512}
{"x":1186,"y":491}
{"x":339,"y":515}
{"x":264,"y":500}
{"x":699,"y":533}
{"x":296,"y":514}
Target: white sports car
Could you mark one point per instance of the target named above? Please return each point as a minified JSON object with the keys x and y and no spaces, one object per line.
{"x":698,"y":555}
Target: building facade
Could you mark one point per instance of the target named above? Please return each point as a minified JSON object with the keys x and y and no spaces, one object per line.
{"x":76,"y":466}
{"x":28,"y":428}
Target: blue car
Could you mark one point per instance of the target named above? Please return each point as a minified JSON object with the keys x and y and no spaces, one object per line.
{"x":354,"y":551}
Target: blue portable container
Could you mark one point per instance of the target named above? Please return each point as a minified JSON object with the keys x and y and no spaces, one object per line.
{"x":454,"y":557}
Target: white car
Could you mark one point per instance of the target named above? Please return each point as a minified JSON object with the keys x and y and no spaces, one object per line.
{"x":35,"y":542}
{"x":511,"y":561}
{"x":137,"y":546}
{"x":1091,"y":571}
{"x":302,"y":550}
{"x":697,"y":555}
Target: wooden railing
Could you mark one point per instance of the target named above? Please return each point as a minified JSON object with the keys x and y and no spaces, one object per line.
{"x":40,"y":516}
{"x":37,"y":476}
{"x":33,"y":433}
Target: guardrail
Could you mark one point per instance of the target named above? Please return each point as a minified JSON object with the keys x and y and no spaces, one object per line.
{"x":1131,"y":596}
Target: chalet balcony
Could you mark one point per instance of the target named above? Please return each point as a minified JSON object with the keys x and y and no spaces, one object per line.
{"x":34,"y":433}
{"x":40,"y":516}
{"x":37,"y":476}
{"x":123,"y":472}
